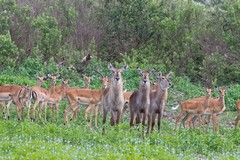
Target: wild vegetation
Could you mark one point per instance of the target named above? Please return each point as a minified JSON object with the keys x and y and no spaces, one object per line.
{"x":197,"y":40}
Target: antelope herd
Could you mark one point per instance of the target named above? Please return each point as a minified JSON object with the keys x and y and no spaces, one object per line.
{"x":144,"y":104}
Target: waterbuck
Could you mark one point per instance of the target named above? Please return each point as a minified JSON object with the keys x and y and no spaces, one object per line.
{"x":113,"y":98}
{"x":158,"y":100}
{"x":140,"y":99}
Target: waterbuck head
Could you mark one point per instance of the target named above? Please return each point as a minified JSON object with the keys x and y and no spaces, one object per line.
{"x":163,"y":81}
{"x":117,"y":73}
{"x":145,"y":76}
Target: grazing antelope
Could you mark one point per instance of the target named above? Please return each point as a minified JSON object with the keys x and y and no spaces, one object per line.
{"x":140,"y":99}
{"x":158,"y":100}
{"x":113,"y":99}
{"x":238,"y":117}
{"x":194,"y":106}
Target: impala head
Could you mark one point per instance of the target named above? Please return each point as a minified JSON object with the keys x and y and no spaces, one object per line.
{"x":104,"y":82}
{"x":40,"y":80}
{"x":163,"y":80}
{"x":208,"y":92}
{"x":65,"y":83}
{"x":117,"y":73}
{"x":54,"y":78}
{"x":88,"y":79}
{"x":103,"y":79}
{"x":222,"y":92}
{"x":145,"y":76}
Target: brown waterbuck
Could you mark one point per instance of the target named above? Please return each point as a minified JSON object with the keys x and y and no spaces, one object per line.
{"x":140,"y":99}
{"x":158,"y":100}
{"x":113,"y":99}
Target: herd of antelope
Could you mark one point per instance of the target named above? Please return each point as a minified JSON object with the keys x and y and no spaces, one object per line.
{"x":144,"y":104}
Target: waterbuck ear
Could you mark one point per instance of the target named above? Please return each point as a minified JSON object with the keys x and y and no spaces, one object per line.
{"x":124,"y":67}
{"x":110,"y":67}
{"x":159,"y":74}
{"x":49,"y":75}
{"x":151,"y":72}
{"x":169,"y":75}
{"x":139,"y":70}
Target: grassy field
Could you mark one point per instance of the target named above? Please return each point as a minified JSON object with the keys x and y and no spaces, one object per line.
{"x":53,"y":140}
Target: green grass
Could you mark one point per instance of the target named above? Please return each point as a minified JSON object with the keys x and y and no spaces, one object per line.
{"x":53,"y":140}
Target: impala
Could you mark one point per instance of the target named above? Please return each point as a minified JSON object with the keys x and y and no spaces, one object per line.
{"x":215,"y":107}
{"x":140,"y":99}
{"x":113,"y":99}
{"x":15,"y":93}
{"x":94,"y":108}
{"x":238,"y":117}
{"x":58,"y":89}
{"x":53,"y":99}
{"x":77,"y":96}
{"x":194,"y":107}
{"x":40,"y":94}
{"x":158,"y":100}
{"x":126,"y":95}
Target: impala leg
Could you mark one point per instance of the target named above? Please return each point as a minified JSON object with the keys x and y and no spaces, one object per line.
{"x":92,"y":107}
{"x":28,"y":104}
{"x":86,"y":110}
{"x":96,"y":114}
{"x":70,"y":106}
{"x":19,"y":108}
{"x":178,"y":118}
{"x":215,"y":122}
{"x":52,"y":111}
{"x":2,"y":104}
{"x":45,"y":112}
{"x":34,"y":107}
{"x":57,"y":111}
{"x":9,"y":109}
{"x":189,"y":121}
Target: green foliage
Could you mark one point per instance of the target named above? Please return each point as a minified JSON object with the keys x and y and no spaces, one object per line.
{"x":7,"y":9}
{"x":8,"y":52}
{"x":49,"y":35}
